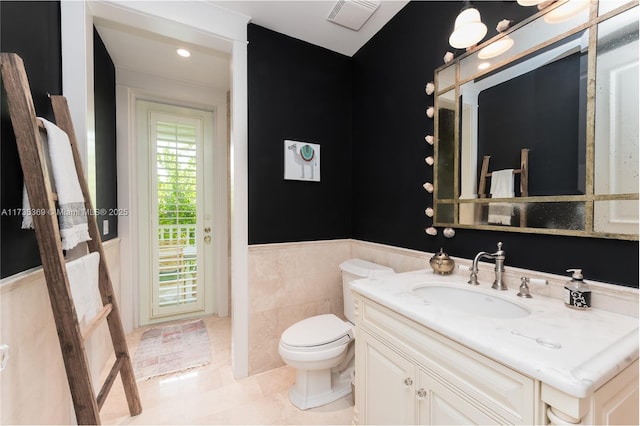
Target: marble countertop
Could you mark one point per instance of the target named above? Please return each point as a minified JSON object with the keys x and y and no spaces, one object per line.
{"x":574,"y":351}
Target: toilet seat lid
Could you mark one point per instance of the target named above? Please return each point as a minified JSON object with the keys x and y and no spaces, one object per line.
{"x":316,"y":331}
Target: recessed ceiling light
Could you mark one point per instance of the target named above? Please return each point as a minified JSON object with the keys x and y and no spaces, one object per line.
{"x":484,"y":66}
{"x":183,"y":52}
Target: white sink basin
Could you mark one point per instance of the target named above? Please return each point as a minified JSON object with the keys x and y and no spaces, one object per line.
{"x":472,"y":302}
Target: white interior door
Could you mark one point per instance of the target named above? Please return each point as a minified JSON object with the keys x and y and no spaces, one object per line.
{"x":176,"y":216}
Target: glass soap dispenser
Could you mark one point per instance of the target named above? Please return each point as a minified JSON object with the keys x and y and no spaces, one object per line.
{"x":577,"y":293}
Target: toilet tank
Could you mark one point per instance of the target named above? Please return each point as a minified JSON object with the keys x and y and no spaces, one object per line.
{"x":355,"y":269}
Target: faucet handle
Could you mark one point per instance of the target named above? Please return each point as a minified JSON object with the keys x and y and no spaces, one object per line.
{"x":499,"y":254}
{"x":524,"y":288}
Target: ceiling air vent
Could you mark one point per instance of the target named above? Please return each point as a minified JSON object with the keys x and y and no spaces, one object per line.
{"x":353,"y":14}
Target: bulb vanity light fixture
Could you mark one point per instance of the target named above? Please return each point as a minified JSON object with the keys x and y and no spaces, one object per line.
{"x":428,"y":186}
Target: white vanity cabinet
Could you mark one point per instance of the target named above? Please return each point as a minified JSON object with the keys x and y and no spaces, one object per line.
{"x":408,"y":374}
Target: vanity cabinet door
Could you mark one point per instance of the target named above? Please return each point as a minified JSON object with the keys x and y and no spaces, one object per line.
{"x":617,"y":402}
{"x":440,"y":404}
{"x":450,"y":384}
{"x":389,"y":378}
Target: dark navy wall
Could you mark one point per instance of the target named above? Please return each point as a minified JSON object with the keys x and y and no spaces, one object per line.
{"x":302,"y":92}
{"x":389,"y":127}
{"x":32,"y":30}
{"x":372,"y":160}
{"x":105,"y":144}
{"x":372,"y":177}
{"x":390,"y":123}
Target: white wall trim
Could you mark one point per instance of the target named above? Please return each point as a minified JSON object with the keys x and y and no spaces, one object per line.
{"x":239,"y":211}
{"x":127,"y":195}
{"x":77,"y":72}
{"x":197,"y":22}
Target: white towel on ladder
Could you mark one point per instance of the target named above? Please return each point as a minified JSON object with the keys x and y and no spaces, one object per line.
{"x":72,"y":218}
{"x":83,"y":280}
{"x":501,"y":187}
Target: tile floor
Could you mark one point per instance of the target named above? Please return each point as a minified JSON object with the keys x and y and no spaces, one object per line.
{"x":210,"y":394}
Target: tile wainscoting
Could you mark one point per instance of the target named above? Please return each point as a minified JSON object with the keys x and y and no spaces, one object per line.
{"x":33,"y":387}
{"x":289,"y":282}
{"x":292,"y":281}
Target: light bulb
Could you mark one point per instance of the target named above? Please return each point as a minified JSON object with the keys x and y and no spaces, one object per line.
{"x":430,"y":88}
{"x":430,"y":112}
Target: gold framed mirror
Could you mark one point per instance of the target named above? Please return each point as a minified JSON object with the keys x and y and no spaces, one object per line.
{"x":536,"y":130}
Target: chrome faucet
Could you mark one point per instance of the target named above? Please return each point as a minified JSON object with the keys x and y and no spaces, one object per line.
{"x":499,"y":257}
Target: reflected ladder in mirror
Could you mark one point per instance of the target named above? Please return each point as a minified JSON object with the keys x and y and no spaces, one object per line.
{"x":523,"y":171}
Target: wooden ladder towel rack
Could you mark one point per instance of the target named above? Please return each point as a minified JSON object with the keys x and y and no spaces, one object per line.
{"x":41,"y":197}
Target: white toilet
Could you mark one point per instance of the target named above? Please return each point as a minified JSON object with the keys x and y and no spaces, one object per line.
{"x":321,"y":347}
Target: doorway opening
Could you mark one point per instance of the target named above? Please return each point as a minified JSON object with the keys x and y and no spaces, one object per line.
{"x":177,"y":212}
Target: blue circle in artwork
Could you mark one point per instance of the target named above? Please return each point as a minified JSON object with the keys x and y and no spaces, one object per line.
{"x":307,"y":152}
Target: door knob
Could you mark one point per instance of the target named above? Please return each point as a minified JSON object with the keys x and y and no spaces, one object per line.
{"x":408,"y":381}
{"x":207,"y":239}
{"x":207,"y":229}
{"x":421,"y":393}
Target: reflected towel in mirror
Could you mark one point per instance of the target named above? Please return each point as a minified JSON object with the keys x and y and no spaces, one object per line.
{"x":501,"y":187}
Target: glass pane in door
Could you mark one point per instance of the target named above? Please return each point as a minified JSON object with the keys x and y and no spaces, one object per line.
{"x":176,"y":190}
